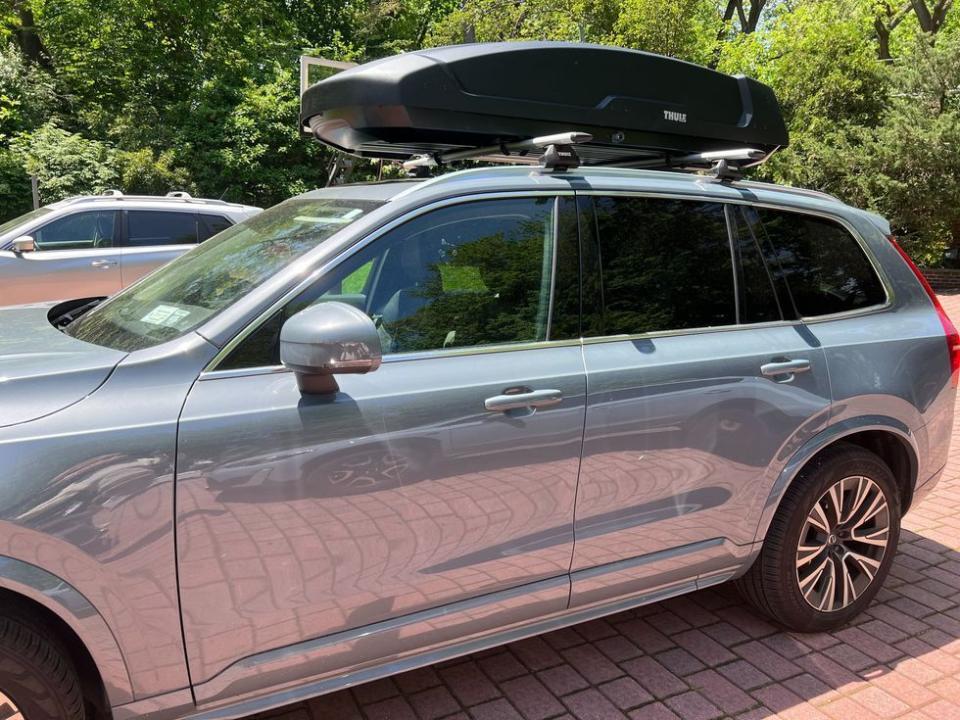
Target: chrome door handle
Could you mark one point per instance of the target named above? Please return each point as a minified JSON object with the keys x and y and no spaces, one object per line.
{"x":518,"y":401}
{"x":786,"y":367}
{"x":103,"y":263}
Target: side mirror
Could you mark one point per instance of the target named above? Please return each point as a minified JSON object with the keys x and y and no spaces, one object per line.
{"x":24,"y":243}
{"x":328,"y":339}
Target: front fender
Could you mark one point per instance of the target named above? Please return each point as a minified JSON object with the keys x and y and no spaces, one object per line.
{"x":68,"y":604}
{"x":818,"y":442}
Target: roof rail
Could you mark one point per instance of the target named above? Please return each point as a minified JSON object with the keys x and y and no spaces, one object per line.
{"x":818,"y":194}
{"x":177,"y":196}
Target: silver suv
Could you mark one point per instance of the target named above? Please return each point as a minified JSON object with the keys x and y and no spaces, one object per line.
{"x":380,"y":426}
{"x":92,"y":246}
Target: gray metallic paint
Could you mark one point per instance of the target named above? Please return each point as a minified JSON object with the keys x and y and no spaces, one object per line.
{"x":319,"y":514}
{"x":459,"y":534}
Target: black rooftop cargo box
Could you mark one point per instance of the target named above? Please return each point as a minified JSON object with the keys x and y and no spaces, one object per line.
{"x":634,"y":104}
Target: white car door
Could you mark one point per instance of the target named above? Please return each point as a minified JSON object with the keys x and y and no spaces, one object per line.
{"x":75,"y":257}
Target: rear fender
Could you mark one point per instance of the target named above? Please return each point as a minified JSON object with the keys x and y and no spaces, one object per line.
{"x":828,"y":436}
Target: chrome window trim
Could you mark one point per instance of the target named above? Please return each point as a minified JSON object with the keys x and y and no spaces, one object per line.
{"x":363,"y":242}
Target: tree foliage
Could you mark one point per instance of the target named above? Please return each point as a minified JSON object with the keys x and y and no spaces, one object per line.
{"x":202,"y":96}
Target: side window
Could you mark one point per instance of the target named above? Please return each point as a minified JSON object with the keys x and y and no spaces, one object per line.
{"x":159,"y":227}
{"x":821,"y":263}
{"x":758,"y":301}
{"x":665,"y":265}
{"x":80,"y":231}
{"x":210,"y":225}
{"x":468,"y":275}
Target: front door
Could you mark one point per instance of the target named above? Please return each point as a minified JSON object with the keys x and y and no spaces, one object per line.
{"x":75,"y":257}
{"x":426,"y":501}
{"x":697,"y":390}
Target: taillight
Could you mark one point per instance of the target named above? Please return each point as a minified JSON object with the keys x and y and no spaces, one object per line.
{"x":953,"y":337}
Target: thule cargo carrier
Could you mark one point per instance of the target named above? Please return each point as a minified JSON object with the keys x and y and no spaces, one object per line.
{"x":518,"y":101}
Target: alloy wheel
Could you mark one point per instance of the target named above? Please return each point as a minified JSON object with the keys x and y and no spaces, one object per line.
{"x":842,"y":543}
{"x":9,"y":709}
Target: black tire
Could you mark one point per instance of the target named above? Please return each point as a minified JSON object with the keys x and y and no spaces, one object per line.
{"x":772,"y":584}
{"x":36,"y":672}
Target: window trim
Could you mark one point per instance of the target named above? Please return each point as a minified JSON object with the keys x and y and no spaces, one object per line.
{"x":211,"y":369}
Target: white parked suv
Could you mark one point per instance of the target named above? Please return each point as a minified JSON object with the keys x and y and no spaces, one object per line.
{"x":93,"y":246}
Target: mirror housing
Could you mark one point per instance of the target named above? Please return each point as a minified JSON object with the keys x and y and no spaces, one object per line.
{"x":327,"y":339}
{"x":24,"y":243}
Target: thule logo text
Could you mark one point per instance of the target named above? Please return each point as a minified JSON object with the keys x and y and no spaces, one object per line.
{"x":674,"y":116}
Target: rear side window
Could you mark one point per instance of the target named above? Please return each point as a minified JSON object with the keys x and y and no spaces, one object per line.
{"x":210,"y":225}
{"x":665,"y":265}
{"x":820,"y":262}
{"x":156,"y":227}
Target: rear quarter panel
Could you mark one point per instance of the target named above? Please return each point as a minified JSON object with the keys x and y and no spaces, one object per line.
{"x":894,"y":362}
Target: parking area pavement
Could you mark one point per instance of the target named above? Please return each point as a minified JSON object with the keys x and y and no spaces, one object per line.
{"x":708,"y":655}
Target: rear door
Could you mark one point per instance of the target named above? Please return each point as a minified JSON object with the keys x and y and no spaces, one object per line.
{"x":75,"y":257}
{"x":155,"y":237}
{"x":697,"y":389}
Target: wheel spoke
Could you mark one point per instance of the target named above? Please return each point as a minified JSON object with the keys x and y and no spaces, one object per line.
{"x":836,"y":499}
{"x":860,"y":494}
{"x":828,"y":598}
{"x":808,"y":583}
{"x":818,"y":518}
{"x":877,"y":538}
{"x":8,"y":711}
{"x":867,"y":564}
{"x":808,"y":553}
{"x":847,"y":592}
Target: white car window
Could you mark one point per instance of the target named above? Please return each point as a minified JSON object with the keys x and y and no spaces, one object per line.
{"x":79,"y":231}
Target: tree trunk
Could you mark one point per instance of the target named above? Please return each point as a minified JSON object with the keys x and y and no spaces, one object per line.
{"x":883,"y":39}
{"x":28,"y":40}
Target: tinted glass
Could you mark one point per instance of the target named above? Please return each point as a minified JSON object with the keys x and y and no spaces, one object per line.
{"x":462,"y":276}
{"x":665,"y":265}
{"x":197,"y":285}
{"x":80,"y":231}
{"x":758,"y":302}
{"x":823,"y":265}
{"x":155,"y":227}
{"x":210,"y":225}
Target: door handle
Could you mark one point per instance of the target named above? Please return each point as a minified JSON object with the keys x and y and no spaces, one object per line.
{"x":785,"y":367}
{"x":521,"y":400}
{"x":103,"y":263}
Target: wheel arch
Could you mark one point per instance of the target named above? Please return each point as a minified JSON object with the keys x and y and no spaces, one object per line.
{"x":889,"y":438}
{"x":77,"y":623}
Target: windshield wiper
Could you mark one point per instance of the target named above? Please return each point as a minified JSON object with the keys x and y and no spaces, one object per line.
{"x":60,"y":316}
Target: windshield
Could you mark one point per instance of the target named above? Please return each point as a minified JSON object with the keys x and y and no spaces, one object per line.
{"x":180,"y":296}
{"x":16,"y":222}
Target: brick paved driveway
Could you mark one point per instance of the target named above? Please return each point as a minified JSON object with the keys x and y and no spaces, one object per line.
{"x":707,"y":655}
